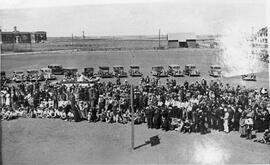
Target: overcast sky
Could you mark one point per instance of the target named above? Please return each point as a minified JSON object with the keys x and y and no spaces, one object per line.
{"x":131,"y":17}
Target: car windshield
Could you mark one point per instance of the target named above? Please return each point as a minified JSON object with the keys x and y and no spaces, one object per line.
{"x":118,"y":68}
{"x":135,"y":69}
{"x":158,"y":68}
{"x":72,"y":70}
{"x":192,"y":67}
{"x":217,"y":67}
{"x":32,"y":71}
{"x":18,"y":72}
{"x":104,"y":69}
{"x":176,"y":67}
{"x":89,"y":69}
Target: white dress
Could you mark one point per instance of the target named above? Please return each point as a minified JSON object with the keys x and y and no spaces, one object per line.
{"x":7,"y":99}
{"x":226,"y":122}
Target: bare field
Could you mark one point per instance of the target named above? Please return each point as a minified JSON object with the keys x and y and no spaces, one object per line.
{"x":145,"y":58}
{"x":53,"y":141}
{"x":86,"y":44}
{"x":49,"y":141}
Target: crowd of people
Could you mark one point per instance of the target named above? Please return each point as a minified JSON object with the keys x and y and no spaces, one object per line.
{"x":188,"y":107}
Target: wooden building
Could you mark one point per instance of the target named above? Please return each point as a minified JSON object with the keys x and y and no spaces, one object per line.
{"x":16,"y":36}
{"x":181,"y":40}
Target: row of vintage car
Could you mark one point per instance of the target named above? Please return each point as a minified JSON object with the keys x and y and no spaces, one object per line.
{"x":104,"y":72}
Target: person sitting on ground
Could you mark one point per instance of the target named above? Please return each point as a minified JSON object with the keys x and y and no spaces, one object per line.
{"x":51,"y":112}
{"x":57,"y":113}
{"x":62,"y":113}
{"x":40,"y":111}
{"x":45,"y":112}
{"x":19,"y":112}
{"x":265,"y":138}
{"x":187,"y":126}
{"x":9,"y":114}
{"x":54,"y":113}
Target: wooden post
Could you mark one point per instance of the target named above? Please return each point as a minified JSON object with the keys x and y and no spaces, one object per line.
{"x":158,"y":38}
{"x":72,"y":42}
{"x":132,"y":120}
{"x":0,"y":40}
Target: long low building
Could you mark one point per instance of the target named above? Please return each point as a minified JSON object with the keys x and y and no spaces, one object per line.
{"x":16,"y":36}
{"x":182,"y":40}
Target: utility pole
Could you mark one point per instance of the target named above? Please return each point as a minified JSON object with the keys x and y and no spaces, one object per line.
{"x":83,"y":36}
{"x":0,"y":41}
{"x":72,"y":41}
{"x":132,"y":108}
{"x":132,"y":118}
{"x":158,"y":38}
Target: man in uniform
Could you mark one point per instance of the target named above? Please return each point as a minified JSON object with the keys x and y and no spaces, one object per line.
{"x":92,"y":96}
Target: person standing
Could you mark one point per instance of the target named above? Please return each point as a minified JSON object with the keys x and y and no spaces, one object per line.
{"x":219,"y":114}
{"x":226,"y":121}
{"x":242,"y":124}
{"x":148,"y":116}
{"x":236,"y":118}
{"x":7,"y":95}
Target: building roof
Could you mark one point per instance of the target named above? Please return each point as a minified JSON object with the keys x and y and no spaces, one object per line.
{"x":39,"y":32}
{"x":182,"y":37}
{"x":174,"y":65}
{"x":17,"y":32}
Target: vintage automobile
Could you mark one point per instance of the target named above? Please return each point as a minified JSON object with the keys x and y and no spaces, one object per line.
{"x":47,"y":74}
{"x":215,"y":71}
{"x":89,"y":72}
{"x":119,"y":71}
{"x":249,"y":77}
{"x":134,"y":71}
{"x":159,"y":71}
{"x":56,"y":69}
{"x":174,"y":70}
{"x":191,"y":70}
{"x":19,"y":76}
{"x":4,"y":78}
{"x":3,"y":75}
{"x":104,"y":72}
{"x":70,"y":72}
{"x":33,"y":75}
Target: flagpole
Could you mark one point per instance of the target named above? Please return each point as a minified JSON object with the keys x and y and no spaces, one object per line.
{"x":132,"y":108}
{"x":132,"y":119}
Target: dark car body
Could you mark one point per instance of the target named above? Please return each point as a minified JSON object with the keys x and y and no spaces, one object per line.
{"x":159,"y":71}
{"x":134,"y":71}
{"x":191,"y":70}
{"x":104,"y":72}
{"x":70,"y":71}
{"x":19,"y":76}
{"x":56,"y":69}
{"x":4,"y":77}
{"x":47,"y":74}
{"x":175,"y":71}
{"x":215,"y":71}
{"x":88,"y":72}
{"x":33,"y":75}
{"x":119,"y":71}
{"x":249,"y":77}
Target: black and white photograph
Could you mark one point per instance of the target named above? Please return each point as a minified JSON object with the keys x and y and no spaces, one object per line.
{"x":134,"y":82}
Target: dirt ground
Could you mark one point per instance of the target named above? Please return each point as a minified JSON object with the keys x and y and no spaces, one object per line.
{"x":53,"y":141}
{"x":202,"y":58}
{"x":49,"y":141}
